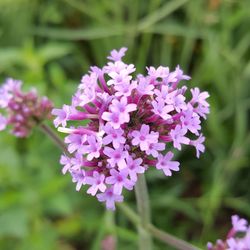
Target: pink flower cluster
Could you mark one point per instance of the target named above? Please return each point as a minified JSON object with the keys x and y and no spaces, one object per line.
{"x":21,"y":110}
{"x":132,"y":123}
{"x":238,"y":238}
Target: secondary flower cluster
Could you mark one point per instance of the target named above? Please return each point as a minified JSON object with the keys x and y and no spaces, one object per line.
{"x":21,"y":110}
{"x":132,"y":123}
{"x":238,"y":238}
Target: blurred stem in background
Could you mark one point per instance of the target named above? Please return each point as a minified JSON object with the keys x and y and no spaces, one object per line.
{"x":167,"y":238}
{"x":55,"y":138}
{"x":143,"y":206}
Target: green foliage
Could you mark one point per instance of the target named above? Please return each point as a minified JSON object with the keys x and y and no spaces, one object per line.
{"x":51,"y":44}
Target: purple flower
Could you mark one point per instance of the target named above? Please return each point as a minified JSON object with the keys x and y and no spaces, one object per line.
{"x":110,"y":198}
{"x":164,"y":163}
{"x":143,"y":138}
{"x":159,"y":108}
{"x":125,"y":89}
{"x":134,"y":167}
{"x":122,"y":77}
{"x":97,"y":183}
{"x":75,"y":142}
{"x":239,"y":225}
{"x":123,"y":108}
{"x":160,"y":72}
{"x":198,"y":144}
{"x":116,"y":157}
{"x":87,"y":89}
{"x":191,"y":121}
{"x":144,"y":86}
{"x":22,"y":110}
{"x":178,"y":136}
{"x":119,"y":179}
{"x":113,"y":118}
{"x":199,"y":97}
{"x":3,"y":122}
{"x":234,"y":241}
{"x":62,"y":115}
{"x":66,"y":162}
{"x":199,"y":102}
{"x":154,"y":148}
{"x":93,"y":148}
{"x":234,"y":244}
{"x":117,"y":55}
{"x":179,"y":74}
{"x":79,"y":178}
{"x":123,"y":124}
{"x":114,"y":136}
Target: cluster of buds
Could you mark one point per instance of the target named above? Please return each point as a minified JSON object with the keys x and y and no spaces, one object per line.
{"x":22,"y":111}
{"x":238,"y":238}
{"x":124,"y":125}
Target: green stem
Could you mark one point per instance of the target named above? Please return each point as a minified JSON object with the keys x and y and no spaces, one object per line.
{"x":55,"y":138}
{"x":170,"y":239}
{"x":142,"y":199}
{"x":167,"y":238}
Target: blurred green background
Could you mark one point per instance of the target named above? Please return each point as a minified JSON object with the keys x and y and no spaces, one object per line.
{"x":51,"y":44}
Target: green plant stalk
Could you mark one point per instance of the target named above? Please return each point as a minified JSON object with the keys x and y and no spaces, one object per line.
{"x":167,"y":238}
{"x":55,"y":138}
{"x":142,"y":200}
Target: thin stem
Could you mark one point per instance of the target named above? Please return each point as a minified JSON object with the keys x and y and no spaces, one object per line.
{"x":142,"y":199}
{"x":55,"y":138}
{"x":170,"y":239}
{"x":167,"y":238}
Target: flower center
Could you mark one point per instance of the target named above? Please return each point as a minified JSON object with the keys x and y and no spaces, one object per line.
{"x":119,"y":178}
{"x":142,"y":138}
{"x":117,"y":156}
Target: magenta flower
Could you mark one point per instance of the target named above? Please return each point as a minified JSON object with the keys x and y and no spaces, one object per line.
{"x":234,"y":241}
{"x":93,"y":147}
{"x":164,"y":163}
{"x":239,"y":225}
{"x":114,"y":119}
{"x":125,"y":89}
{"x":113,"y":136}
{"x":121,"y":78}
{"x":132,"y":119}
{"x":66,"y":162}
{"x":134,"y":167}
{"x":119,"y":179}
{"x":117,"y":55}
{"x":161,"y":109}
{"x":178,"y":136}
{"x":97,"y":183}
{"x":110,"y":198}
{"x":160,"y":72}
{"x":75,"y":142}
{"x":116,"y":157}
{"x":3,"y":122}
{"x":191,"y":121}
{"x":144,"y":86}
{"x":198,"y":144}
{"x":22,"y":111}
{"x":79,"y":178}
{"x":62,"y":115}
{"x":123,"y":109}
{"x":143,"y":138}
{"x":155,"y":148}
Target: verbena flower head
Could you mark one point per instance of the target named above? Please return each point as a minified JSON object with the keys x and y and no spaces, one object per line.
{"x":133,"y":122}
{"x":238,"y":238}
{"x":21,"y":111}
